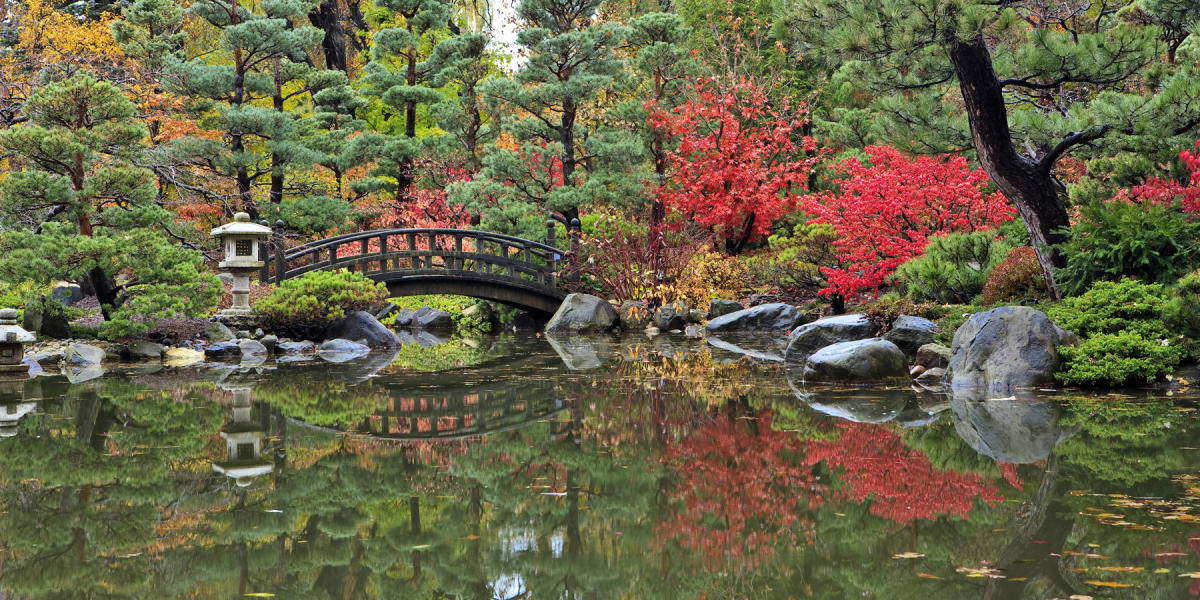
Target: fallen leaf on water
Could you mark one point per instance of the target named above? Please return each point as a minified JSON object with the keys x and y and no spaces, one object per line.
{"x":1080,"y":597}
{"x":1193,"y":575}
{"x":1120,"y":569}
{"x":1112,"y":584}
{"x":908,"y":555}
{"x":1161,"y":571}
{"x":928,"y":575}
{"x":260,"y":595}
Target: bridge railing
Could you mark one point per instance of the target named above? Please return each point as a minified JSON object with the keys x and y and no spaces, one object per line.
{"x":423,"y":252}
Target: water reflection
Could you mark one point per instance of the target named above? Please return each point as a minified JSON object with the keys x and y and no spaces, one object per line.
{"x":665,"y":471}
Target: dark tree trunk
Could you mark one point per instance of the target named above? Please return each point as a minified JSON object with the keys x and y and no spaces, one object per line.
{"x":1027,"y":183}
{"x":277,"y":161}
{"x":328,"y":17}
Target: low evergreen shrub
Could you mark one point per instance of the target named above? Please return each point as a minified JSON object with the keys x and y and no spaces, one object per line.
{"x":1116,"y":359}
{"x":954,"y":268}
{"x":318,"y":297}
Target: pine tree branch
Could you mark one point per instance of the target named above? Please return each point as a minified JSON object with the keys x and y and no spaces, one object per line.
{"x":1073,"y":139}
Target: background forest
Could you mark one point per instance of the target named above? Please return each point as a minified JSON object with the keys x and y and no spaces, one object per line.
{"x":950,"y":152}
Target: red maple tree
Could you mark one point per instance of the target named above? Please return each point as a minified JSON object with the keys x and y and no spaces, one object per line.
{"x":740,"y":161}
{"x":886,"y":211}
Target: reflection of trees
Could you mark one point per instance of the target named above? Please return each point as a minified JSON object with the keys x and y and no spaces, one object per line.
{"x":79,"y":492}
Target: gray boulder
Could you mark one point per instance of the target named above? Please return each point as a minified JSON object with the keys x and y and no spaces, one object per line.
{"x":429,"y":318}
{"x":50,"y":358}
{"x":634,"y":315}
{"x":83,"y":354}
{"x":1006,"y":349}
{"x":910,"y":333}
{"x":583,"y":313}
{"x":253,"y":349}
{"x":764,"y":317}
{"x":144,"y":350}
{"x":670,"y":316}
{"x":404,"y":317}
{"x":295,"y":348}
{"x":696,"y":316}
{"x":860,"y":361}
{"x":270,"y":341}
{"x":811,"y":337}
{"x":931,"y":377}
{"x":339,"y":350}
{"x":720,"y":308}
{"x":932,"y":356}
{"x":116,"y":353}
{"x":66,"y":293}
{"x":218,"y":332}
{"x":219,"y":350}
{"x":362,"y":327}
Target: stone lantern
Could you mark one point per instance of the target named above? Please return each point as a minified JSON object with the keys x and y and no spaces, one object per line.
{"x":241,"y":241}
{"x":12,"y":342}
{"x":243,"y":442}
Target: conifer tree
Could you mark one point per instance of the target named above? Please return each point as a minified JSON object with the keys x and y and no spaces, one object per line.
{"x":566,"y":156}
{"x":401,"y":78}
{"x":78,"y":209}
{"x":266,"y":57}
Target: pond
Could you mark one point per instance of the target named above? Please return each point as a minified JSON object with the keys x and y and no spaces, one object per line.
{"x":633,"y":468}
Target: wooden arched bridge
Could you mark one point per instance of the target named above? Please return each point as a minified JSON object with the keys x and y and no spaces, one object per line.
{"x":511,"y":270}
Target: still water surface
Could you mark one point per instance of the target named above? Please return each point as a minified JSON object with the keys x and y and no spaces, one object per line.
{"x":664,"y":469}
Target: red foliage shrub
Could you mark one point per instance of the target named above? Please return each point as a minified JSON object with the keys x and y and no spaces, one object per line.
{"x":1018,"y":277}
{"x":1162,"y":191}
{"x":885,"y":212}
{"x":740,"y":160}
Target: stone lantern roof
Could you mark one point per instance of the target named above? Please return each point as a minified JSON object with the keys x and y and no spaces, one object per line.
{"x":241,"y":225}
{"x":10,"y":331}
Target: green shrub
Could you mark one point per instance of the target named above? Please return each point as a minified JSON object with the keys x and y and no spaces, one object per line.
{"x":17,"y":295}
{"x":954,"y":268}
{"x":1116,"y":239}
{"x":794,"y":261}
{"x":1114,"y":307}
{"x":319,"y":296}
{"x":1183,"y":309}
{"x":1115,"y":359}
{"x":1018,"y":277}
{"x":478,"y":322}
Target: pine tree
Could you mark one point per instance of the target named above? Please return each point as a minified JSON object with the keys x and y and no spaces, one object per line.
{"x":566,"y":157}
{"x":400,"y":77}
{"x":266,"y":53}
{"x":79,"y":209}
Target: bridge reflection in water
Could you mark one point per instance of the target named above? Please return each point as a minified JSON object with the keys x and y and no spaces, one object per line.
{"x":461,"y":412}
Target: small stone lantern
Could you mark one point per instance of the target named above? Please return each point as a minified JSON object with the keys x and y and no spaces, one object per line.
{"x":240,"y":240}
{"x":243,"y":442}
{"x":12,"y":342}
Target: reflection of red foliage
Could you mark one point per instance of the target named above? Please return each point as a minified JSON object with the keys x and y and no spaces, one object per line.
{"x":743,"y":487}
{"x":900,"y":482}
{"x":886,"y":211}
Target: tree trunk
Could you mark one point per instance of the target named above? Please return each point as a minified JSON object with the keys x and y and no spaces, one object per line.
{"x":1028,"y":185}
{"x":277,"y":161}
{"x":328,"y":18}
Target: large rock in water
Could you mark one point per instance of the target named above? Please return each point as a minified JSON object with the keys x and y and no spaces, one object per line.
{"x":432,"y":318}
{"x":671,"y":316}
{"x":339,"y":350}
{"x":764,"y":317}
{"x":583,"y":313}
{"x":362,"y":327}
{"x":145,"y":350}
{"x":860,"y":361}
{"x":1005,"y":349}
{"x":634,"y":315}
{"x":933,"y":356}
{"x":910,"y":333}
{"x":218,"y":332}
{"x":811,"y":337}
{"x":83,"y":354}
